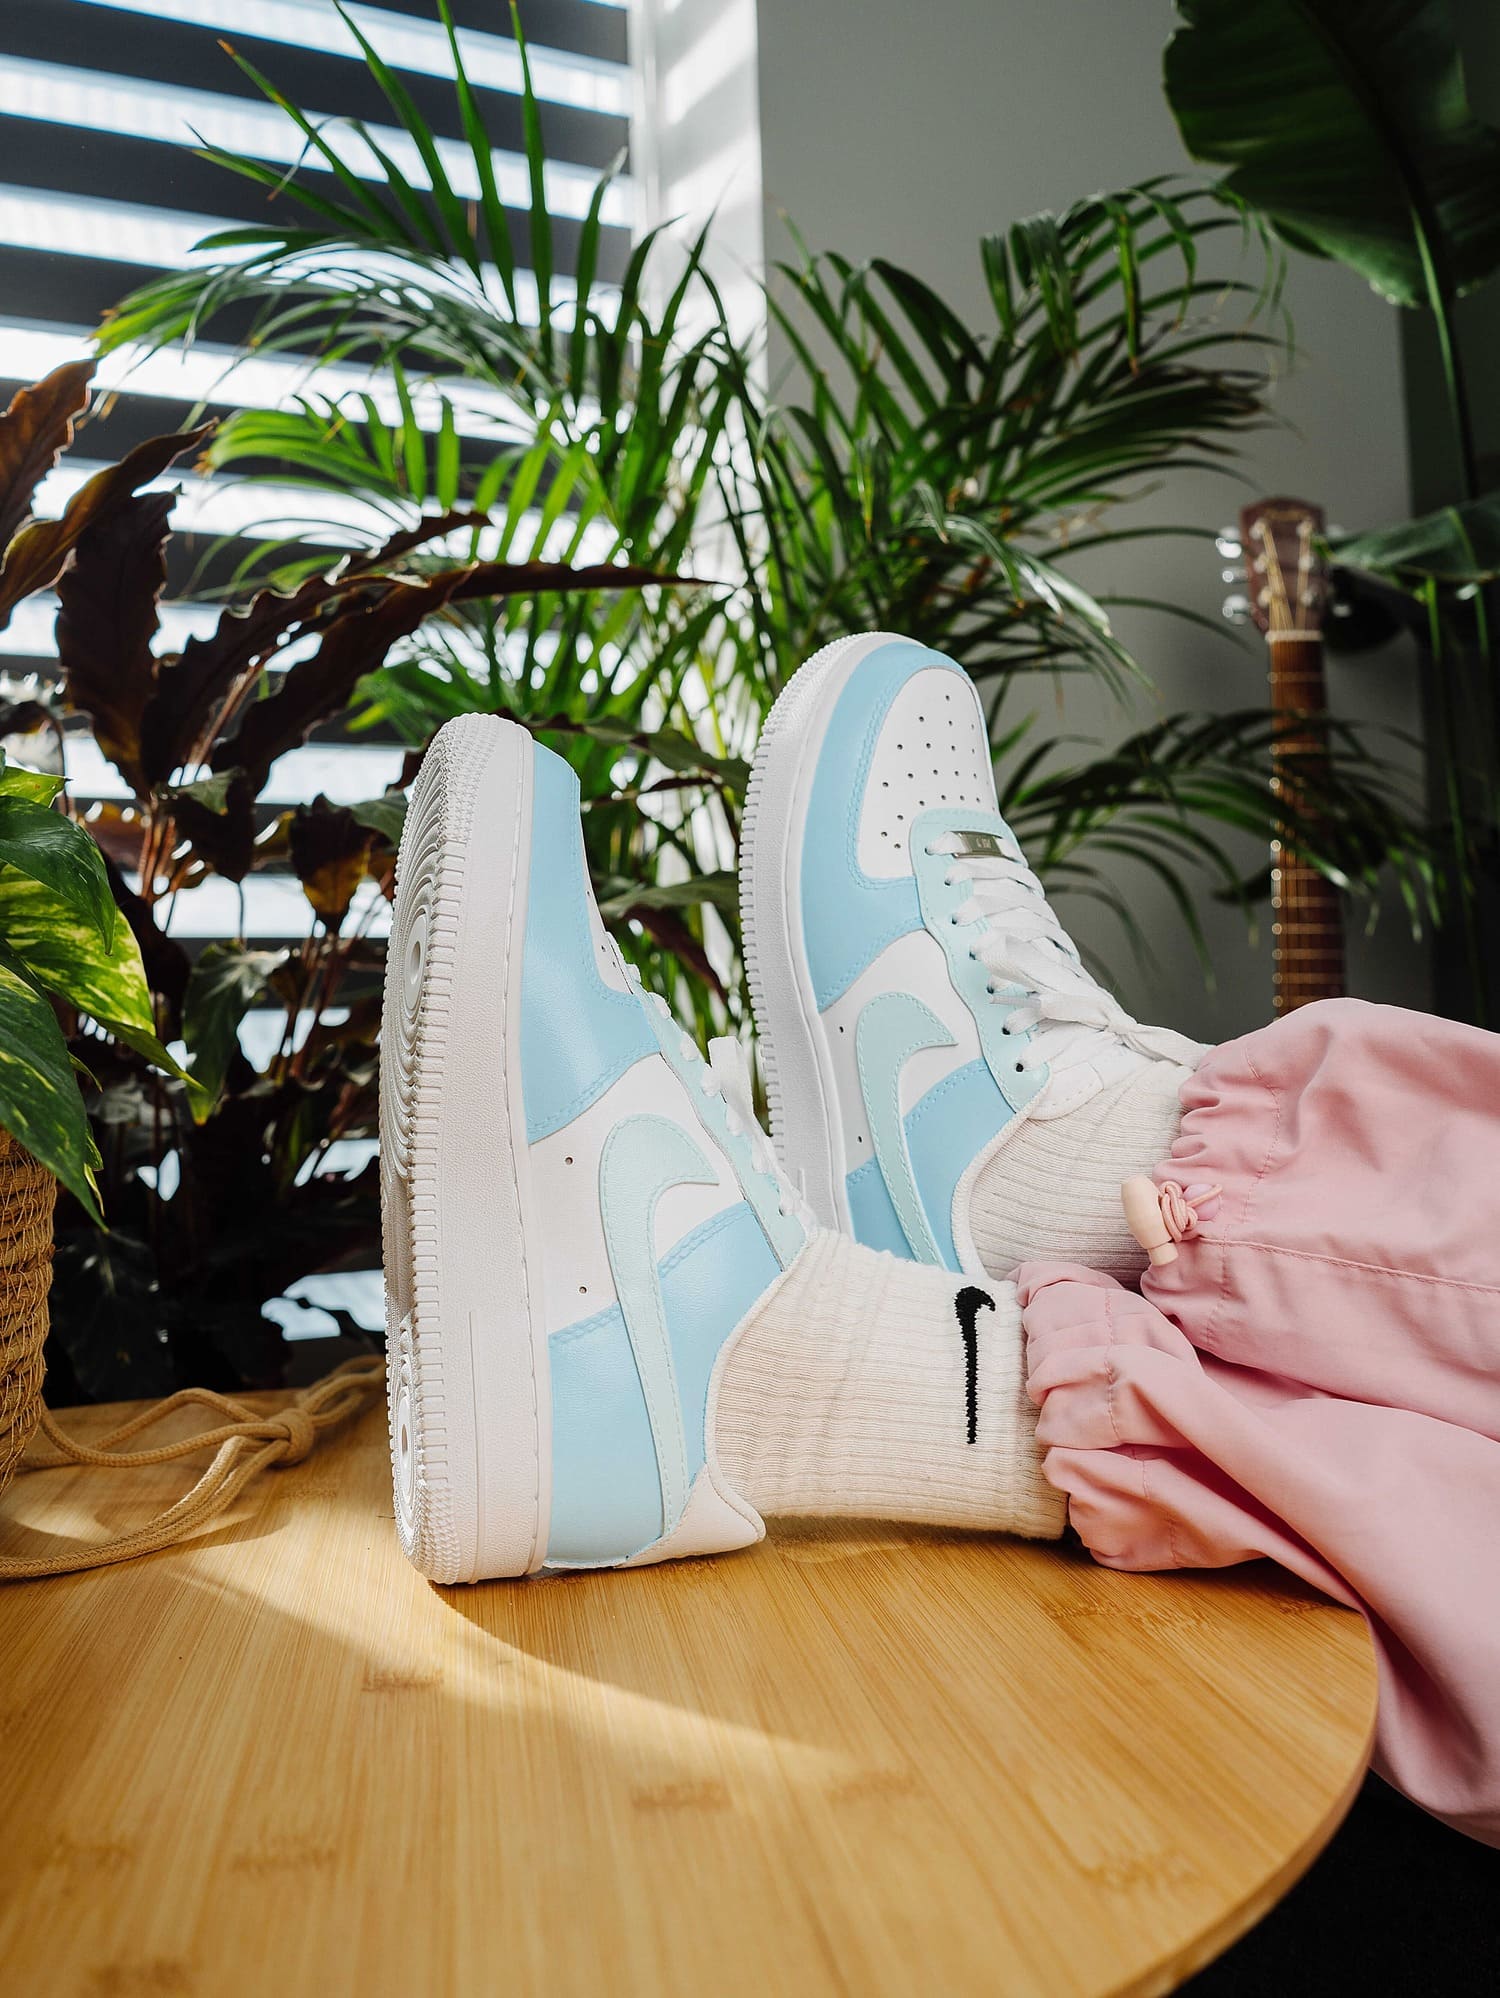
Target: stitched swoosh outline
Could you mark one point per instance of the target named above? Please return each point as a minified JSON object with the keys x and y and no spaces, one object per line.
{"x":642,"y":1157}
{"x":891,"y":1029}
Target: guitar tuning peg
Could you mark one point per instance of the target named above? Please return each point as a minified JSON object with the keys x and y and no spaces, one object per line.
{"x":1228,"y":543}
{"x":1236,"y":610}
{"x":1233,"y":575}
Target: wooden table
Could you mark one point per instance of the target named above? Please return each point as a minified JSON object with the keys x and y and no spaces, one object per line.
{"x":859,"y":1760}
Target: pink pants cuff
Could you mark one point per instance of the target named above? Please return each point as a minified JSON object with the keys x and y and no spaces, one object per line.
{"x":1317,"y":1377}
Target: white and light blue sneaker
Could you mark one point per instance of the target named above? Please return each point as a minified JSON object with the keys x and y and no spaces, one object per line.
{"x":915,"y":994}
{"x":578,"y":1210}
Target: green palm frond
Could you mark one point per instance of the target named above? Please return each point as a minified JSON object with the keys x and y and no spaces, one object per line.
{"x":905,"y":470}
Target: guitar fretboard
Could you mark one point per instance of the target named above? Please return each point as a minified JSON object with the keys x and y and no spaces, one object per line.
{"x":1307,"y":927}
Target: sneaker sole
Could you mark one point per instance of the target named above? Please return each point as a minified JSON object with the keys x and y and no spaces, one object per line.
{"x":470,"y":1415}
{"x":806,"y":1124}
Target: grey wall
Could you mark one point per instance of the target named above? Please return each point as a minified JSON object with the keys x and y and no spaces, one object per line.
{"x":910,"y":131}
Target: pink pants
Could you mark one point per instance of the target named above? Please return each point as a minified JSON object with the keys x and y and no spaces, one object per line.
{"x":1317,"y":1378}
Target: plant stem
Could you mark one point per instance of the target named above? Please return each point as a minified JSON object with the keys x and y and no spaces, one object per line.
{"x":1455,"y":382}
{"x":1440,"y":300}
{"x":1463,"y":885}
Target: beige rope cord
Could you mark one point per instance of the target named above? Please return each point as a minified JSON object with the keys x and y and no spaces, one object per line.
{"x":245,"y":1442}
{"x":27,"y":1195}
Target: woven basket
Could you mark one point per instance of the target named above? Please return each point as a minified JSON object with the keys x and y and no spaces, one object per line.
{"x":27,"y":1194}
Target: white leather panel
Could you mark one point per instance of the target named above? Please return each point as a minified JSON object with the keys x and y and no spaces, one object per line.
{"x":565,"y":1190}
{"x":931,"y":750}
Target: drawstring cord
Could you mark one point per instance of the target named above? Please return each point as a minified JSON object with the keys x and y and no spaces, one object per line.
{"x":1160,"y":1217}
{"x":245,"y":1442}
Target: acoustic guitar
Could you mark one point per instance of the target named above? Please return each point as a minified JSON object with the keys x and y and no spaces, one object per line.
{"x":1286,"y":582}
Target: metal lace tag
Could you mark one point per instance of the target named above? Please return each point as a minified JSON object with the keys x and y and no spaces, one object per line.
{"x":980,"y":842}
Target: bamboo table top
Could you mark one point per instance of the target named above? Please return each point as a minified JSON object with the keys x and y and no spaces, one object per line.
{"x":857,"y":1759}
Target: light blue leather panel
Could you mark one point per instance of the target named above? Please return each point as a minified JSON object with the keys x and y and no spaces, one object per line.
{"x":891,"y":1029}
{"x":606,"y":1493}
{"x":872,"y":1218}
{"x":713,"y":1283}
{"x":848,"y":917}
{"x":577,"y":1033}
{"x":953,"y":1121}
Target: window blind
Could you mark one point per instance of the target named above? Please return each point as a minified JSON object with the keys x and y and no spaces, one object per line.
{"x":101,"y":105}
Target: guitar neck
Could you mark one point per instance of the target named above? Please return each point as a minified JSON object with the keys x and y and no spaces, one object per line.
{"x":1307,"y":923}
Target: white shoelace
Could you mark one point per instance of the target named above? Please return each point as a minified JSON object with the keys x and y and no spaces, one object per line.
{"x":727,"y":1074}
{"x":1025,"y":948}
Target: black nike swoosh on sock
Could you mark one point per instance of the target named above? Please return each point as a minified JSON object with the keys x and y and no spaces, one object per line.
{"x":967,"y":1305}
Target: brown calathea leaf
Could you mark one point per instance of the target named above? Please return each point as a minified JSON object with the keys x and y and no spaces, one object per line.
{"x":107,"y":617}
{"x":356,"y":638}
{"x":34,"y":432}
{"x":383,"y":870}
{"x":668,"y":929}
{"x":360,"y":633}
{"x":221,"y":832}
{"x":329,"y":849}
{"x":536,"y":579}
{"x":120,"y":830}
{"x":190,"y":689}
{"x":432,"y":528}
{"x":38,"y":554}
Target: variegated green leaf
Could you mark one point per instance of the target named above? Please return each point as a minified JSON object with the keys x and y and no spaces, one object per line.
{"x":58,"y":854}
{"x":66,"y":955}
{"x":18,"y":782}
{"x":39,"y":1100}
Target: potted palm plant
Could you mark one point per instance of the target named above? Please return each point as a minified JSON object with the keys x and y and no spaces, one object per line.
{"x":910,"y":472}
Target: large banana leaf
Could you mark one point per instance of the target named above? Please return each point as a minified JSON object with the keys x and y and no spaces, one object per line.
{"x":1456,"y":546}
{"x":1347,"y":122}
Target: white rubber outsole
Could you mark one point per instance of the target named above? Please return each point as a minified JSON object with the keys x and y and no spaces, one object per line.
{"x":806,"y":1125}
{"x":470,"y":1412}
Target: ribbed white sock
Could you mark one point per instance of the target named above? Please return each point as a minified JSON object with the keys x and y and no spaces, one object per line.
{"x":874,"y":1388}
{"x":1049,"y":1188}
